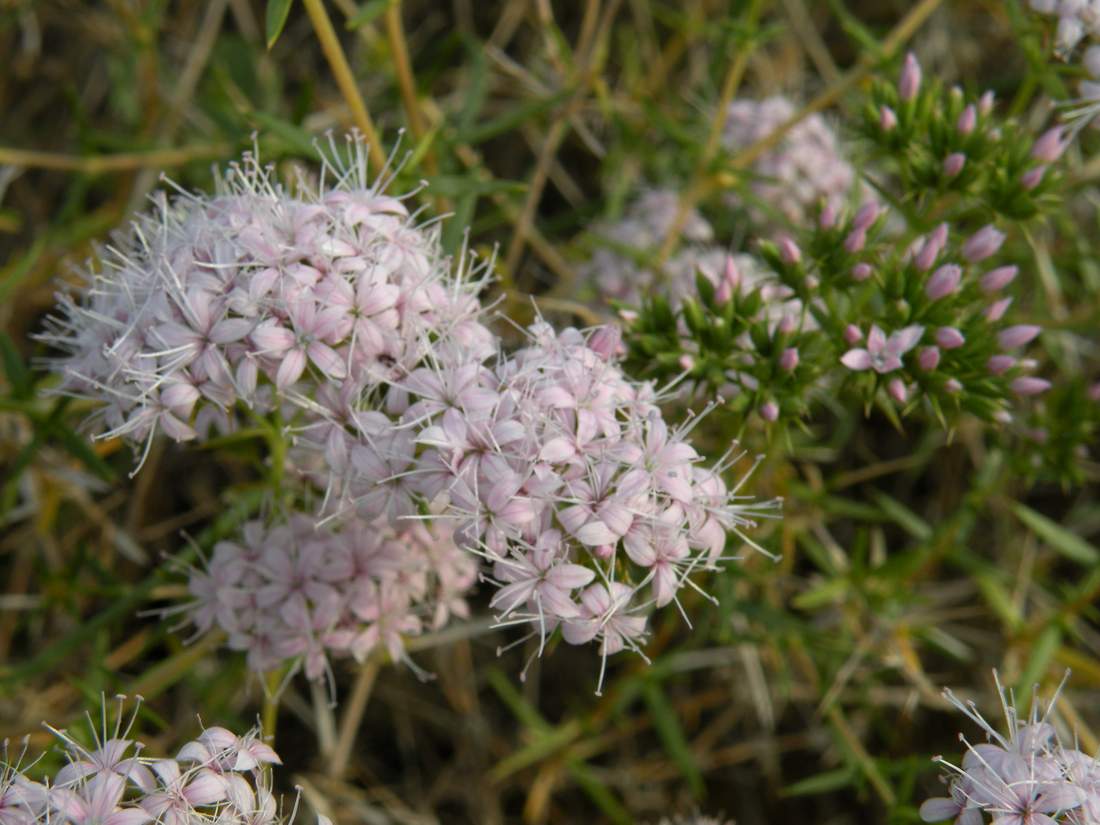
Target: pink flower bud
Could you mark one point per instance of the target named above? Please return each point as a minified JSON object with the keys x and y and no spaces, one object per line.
{"x":1003,"y":416}
{"x":897,"y":390}
{"x":861,"y":271}
{"x":1018,"y":336}
{"x":953,"y":164}
{"x":828,"y":216}
{"x":929,"y":358}
{"x":628,"y":315}
{"x":852,"y":334}
{"x":1029,"y":385}
{"x":999,"y":278}
{"x":952,"y":385}
{"x":606,"y":341}
{"x":769,"y":411}
{"x":909,"y":82}
{"x":812,"y":282}
{"x":998,"y":309}
{"x":949,"y":338}
{"x":931,"y":247}
{"x":887,"y":120}
{"x":856,"y":240}
{"x":787,"y":324}
{"x":985,"y":102}
{"x":944,"y":281}
{"x":1049,"y":146}
{"x":687,"y":362}
{"x":789,"y":252}
{"x":788,"y":360}
{"x":1000,"y":364}
{"x":983,"y":243}
{"x":1032,"y":178}
{"x":865,"y":216}
{"x":968,"y":119}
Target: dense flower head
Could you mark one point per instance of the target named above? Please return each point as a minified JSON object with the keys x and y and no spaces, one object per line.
{"x":587,"y":507}
{"x":805,"y":168}
{"x":297,"y":593}
{"x":1023,"y":776}
{"x":212,"y":304}
{"x":218,"y":777}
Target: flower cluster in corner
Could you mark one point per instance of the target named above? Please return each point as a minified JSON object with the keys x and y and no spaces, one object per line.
{"x":218,"y":777}
{"x":1024,"y":776}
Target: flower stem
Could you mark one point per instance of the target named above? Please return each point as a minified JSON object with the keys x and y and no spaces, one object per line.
{"x":353,"y":716}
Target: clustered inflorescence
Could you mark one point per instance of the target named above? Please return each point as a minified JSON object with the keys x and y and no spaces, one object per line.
{"x":218,"y":777}
{"x":1024,"y":775}
{"x":333,"y":320}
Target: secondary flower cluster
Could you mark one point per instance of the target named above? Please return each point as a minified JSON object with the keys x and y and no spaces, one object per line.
{"x":621,"y":269}
{"x":806,"y":167}
{"x":206,"y":305}
{"x":219,"y":777}
{"x":1024,"y":775}
{"x":939,"y":141}
{"x":562,"y":474}
{"x":1078,"y":20}
{"x":296,"y":592}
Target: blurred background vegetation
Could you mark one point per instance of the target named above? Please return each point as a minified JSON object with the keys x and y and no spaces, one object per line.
{"x":910,"y":559}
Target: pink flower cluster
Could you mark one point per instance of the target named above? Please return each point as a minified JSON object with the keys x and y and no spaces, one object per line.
{"x":617,"y":267}
{"x":211,"y":305}
{"x":559,"y":472}
{"x":1022,"y":777}
{"x":299,"y":593}
{"x":219,"y":777}
{"x":806,"y":168}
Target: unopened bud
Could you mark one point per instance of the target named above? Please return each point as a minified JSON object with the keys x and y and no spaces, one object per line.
{"x":862,"y":271}
{"x":828,"y":216}
{"x":909,"y":82}
{"x":606,"y":341}
{"x":769,"y":411}
{"x":865,"y":216}
{"x":687,"y":362}
{"x":1018,"y":336}
{"x":929,"y":358}
{"x":983,"y":243}
{"x":887,"y":120}
{"x":949,"y":338}
{"x":931,"y":247}
{"x":997,"y":279}
{"x":998,"y":309}
{"x":856,"y":240}
{"x":1049,"y":146}
{"x":1000,"y":364}
{"x":897,"y":390}
{"x":952,"y":385}
{"x":968,"y":119}
{"x":1029,"y":385}
{"x":852,"y":334}
{"x":789,"y":252}
{"x":943,"y":282}
{"x":953,"y":164}
{"x":1032,"y":178}
{"x":986,"y":101}
{"x":788,"y":360}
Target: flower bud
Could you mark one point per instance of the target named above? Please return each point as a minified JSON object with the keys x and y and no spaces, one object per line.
{"x":931,"y":247}
{"x":769,"y":411}
{"x":687,"y":362}
{"x":861,"y":271}
{"x":909,"y":82}
{"x":852,"y":334}
{"x":788,"y":360}
{"x":952,"y":385}
{"x":1018,"y":336}
{"x":628,"y":315}
{"x":729,"y":283}
{"x":887,"y":120}
{"x":828,"y":216}
{"x":865,"y":216}
{"x":1000,"y":364}
{"x":986,"y":101}
{"x":968,"y":119}
{"x":1029,"y":385}
{"x":897,"y":390}
{"x":789,"y":252}
{"x":1068,"y":34}
{"x":929,"y":358}
{"x":944,"y":281}
{"x":998,"y":309}
{"x":983,"y":243}
{"x":953,"y":164}
{"x":997,"y":279}
{"x":949,"y":338}
{"x":856,"y":240}
{"x":1032,"y":178}
{"x":1049,"y":147}
{"x":787,"y":324}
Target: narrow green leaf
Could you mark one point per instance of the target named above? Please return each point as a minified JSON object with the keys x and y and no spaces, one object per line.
{"x":277,"y":13}
{"x":1058,"y":537}
{"x":598,"y":792}
{"x":672,"y":736}
{"x":19,"y":377}
{"x":820,"y":783}
{"x":901,"y":515}
{"x":79,"y":448}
